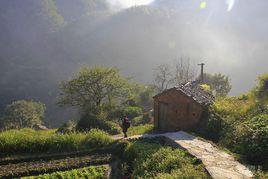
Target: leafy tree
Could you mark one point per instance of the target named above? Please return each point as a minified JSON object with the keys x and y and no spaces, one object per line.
{"x":142,"y":95}
{"x":219,"y":83}
{"x":146,"y":96}
{"x":21,"y":114}
{"x":94,"y":88}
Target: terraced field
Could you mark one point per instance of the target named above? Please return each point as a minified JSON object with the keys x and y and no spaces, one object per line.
{"x":49,"y":165}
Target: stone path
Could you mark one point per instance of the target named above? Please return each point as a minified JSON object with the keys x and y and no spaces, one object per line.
{"x":219,"y":164}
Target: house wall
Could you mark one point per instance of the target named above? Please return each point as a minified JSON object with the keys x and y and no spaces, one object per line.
{"x":182,"y":111}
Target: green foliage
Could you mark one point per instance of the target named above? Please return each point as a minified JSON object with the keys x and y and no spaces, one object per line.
{"x":140,"y":120}
{"x":92,"y":172}
{"x":98,"y":138}
{"x":151,"y":160}
{"x":219,"y":83}
{"x":67,"y":128}
{"x":251,"y":138}
{"x":240,"y":124}
{"x":91,"y":121}
{"x":93,"y":89}
{"x":211,"y":125}
{"x":139,"y":130}
{"x":261,"y":90}
{"x":143,"y":95}
{"x":234,"y":108}
{"x":30,"y":141}
{"x":132,"y":111}
{"x":21,"y":114}
{"x":261,"y":175}
{"x":206,"y":88}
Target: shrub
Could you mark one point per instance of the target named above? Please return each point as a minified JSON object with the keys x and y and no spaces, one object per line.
{"x":67,"y":128}
{"x":137,"y":121}
{"x":140,"y":120}
{"x":90,"y":121}
{"x":210,"y":125}
{"x":261,"y":90}
{"x":251,"y":138}
{"x":132,"y":111}
{"x":97,"y":138}
{"x":118,"y":147}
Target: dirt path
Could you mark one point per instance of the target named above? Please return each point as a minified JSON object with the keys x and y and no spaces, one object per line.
{"x":219,"y":164}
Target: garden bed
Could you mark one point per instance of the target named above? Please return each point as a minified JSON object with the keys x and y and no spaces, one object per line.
{"x":92,"y":172}
{"x":48,"y":156}
{"x":41,"y":167}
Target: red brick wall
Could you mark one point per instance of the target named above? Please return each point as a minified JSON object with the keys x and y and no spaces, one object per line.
{"x":183,"y":112}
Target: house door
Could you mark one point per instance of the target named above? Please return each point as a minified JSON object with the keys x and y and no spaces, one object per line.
{"x":163,"y":114}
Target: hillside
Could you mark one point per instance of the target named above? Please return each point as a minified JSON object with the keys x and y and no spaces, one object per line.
{"x":44,"y":42}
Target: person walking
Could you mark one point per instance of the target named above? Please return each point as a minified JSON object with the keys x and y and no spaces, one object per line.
{"x":125,"y":125}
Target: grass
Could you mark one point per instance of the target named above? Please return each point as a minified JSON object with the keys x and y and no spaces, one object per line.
{"x":261,"y":175}
{"x":30,"y":141}
{"x":93,"y":172}
{"x":139,"y":130}
{"x":147,"y":158}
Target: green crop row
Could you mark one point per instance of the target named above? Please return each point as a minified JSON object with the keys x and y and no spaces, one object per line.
{"x":93,"y":172}
{"x":40,"y":167}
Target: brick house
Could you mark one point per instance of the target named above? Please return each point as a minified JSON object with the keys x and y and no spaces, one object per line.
{"x":181,"y":107}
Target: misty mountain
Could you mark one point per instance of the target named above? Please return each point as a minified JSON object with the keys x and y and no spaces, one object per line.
{"x":44,"y":42}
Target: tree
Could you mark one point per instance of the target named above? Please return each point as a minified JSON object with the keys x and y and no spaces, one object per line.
{"x":142,"y":95}
{"x":166,"y":76}
{"x":94,"y":88}
{"x":219,"y":83}
{"x":21,"y":114}
{"x":163,"y":77}
{"x":184,"y":71}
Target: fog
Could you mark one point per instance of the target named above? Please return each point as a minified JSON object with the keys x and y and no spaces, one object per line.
{"x":45,"y":41}
{"x":123,"y":4}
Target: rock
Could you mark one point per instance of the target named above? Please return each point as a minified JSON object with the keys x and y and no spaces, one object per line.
{"x":40,"y":127}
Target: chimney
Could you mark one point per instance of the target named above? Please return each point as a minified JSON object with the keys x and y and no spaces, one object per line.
{"x":202,"y":72}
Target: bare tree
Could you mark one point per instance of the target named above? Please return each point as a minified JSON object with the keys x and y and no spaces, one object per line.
{"x":163,"y":77}
{"x":184,"y":71}
{"x":166,"y":76}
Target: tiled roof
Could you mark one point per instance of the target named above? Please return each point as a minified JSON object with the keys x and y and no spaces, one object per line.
{"x":196,"y":92}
